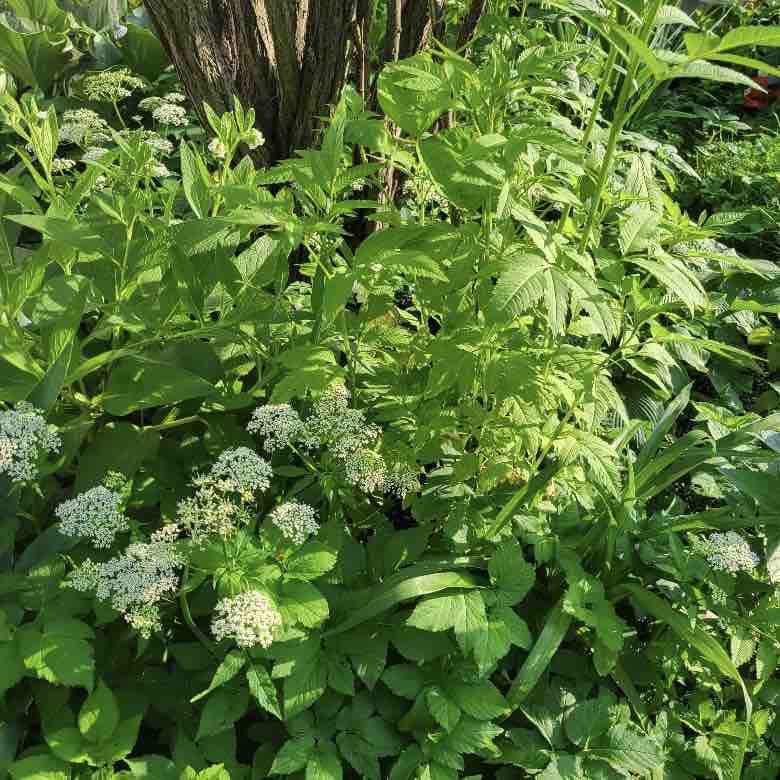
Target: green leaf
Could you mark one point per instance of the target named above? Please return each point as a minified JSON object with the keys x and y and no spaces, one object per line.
{"x":99,"y":715}
{"x":143,"y":52}
{"x":444,"y":711}
{"x":140,"y":383}
{"x":697,"y":638}
{"x":153,"y":768}
{"x":194,"y":180}
{"x":479,"y":699}
{"x":223,"y":708}
{"x":587,"y":720}
{"x":555,"y":629}
{"x":118,"y":446}
{"x":35,"y":58}
{"x":463,"y":612}
{"x":304,"y":687}
{"x":324,"y":764}
{"x":388,"y":596}
{"x":519,"y":287}
{"x":310,"y":561}
{"x":42,"y":767}
{"x":414,"y":93}
{"x":404,"y":680}
{"x":11,"y":667}
{"x":701,"y":69}
{"x":626,"y":749}
{"x":59,"y":653}
{"x":230,"y":666}
{"x":301,"y":602}
{"x":262,"y":688}
{"x":510,"y":574}
{"x":293,"y":755}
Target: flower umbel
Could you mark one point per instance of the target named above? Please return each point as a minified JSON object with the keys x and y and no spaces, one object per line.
{"x":729,"y":552}
{"x":134,"y":582}
{"x":24,"y":435}
{"x":295,"y":520}
{"x":249,"y":619}
{"x":245,"y":469}
{"x":111,"y":85}
{"x":279,"y":424}
{"x":95,"y":515}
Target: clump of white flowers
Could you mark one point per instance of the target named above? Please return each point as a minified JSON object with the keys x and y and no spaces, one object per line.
{"x":296,"y":521}
{"x":366,"y":469}
{"x":344,"y":431}
{"x":82,"y":126}
{"x":94,"y":153}
{"x":62,"y":164}
{"x":249,"y":619}
{"x":222,"y":497}
{"x":159,"y":145}
{"x":95,"y":515}
{"x":170,"y":114}
{"x":279,"y":424}
{"x":729,"y":552}
{"x":111,"y":85}
{"x":24,"y":436}
{"x":175,"y":97}
{"x":217,"y":148}
{"x":134,"y":583}
{"x":255,"y":139}
{"x":244,"y":469}
{"x":212,"y":510}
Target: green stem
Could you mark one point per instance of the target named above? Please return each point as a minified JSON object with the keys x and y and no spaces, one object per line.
{"x":618,"y":122}
{"x":185,"y":611}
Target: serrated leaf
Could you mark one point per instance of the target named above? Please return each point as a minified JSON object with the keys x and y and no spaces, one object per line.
{"x":324,"y":764}
{"x":479,"y":699}
{"x":262,"y":688}
{"x":587,"y":719}
{"x":302,"y":603}
{"x":511,"y":575}
{"x":404,"y":680}
{"x":222,"y":709}
{"x":231,"y":665}
{"x":311,"y":561}
{"x":444,"y":711}
{"x":99,"y":715}
{"x":519,"y":287}
{"x":293,"y":755}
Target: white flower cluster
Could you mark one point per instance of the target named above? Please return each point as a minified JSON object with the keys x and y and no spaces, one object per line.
{"x":279,"y":424}
{"x":255,"y":139}
{"x":344,"y":430}
{"x":244,"y":469}
{"x":62,"y":164}
{"x":111,"y":85}
{"x":134,"y":582}
{"x":175,"y":97}
{"x":212,"y":510}
{"x":159,"y":145}
{"x":24,"y":435}
{"x":217,"y":148}
{"x":94,"y":153}
{"x":349,"y":437}
{"x":729,"y":552}
{"x":249,"y":619}
{"x":83,"y":126}
{"x":170,"y":114}
{"x":296,"y":521}
{"x":95,"y":515}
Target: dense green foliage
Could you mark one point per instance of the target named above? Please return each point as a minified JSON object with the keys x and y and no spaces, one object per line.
{"x":478,"y":482}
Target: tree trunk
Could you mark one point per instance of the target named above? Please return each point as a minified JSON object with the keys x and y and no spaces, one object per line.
{"x":284,"y":58}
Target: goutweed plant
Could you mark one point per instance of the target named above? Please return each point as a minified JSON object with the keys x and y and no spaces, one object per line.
{"x":299,"y":479}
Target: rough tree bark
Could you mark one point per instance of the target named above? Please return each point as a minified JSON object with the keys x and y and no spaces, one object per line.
{"x":285,"y":58}
{"x":288,"y":59}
